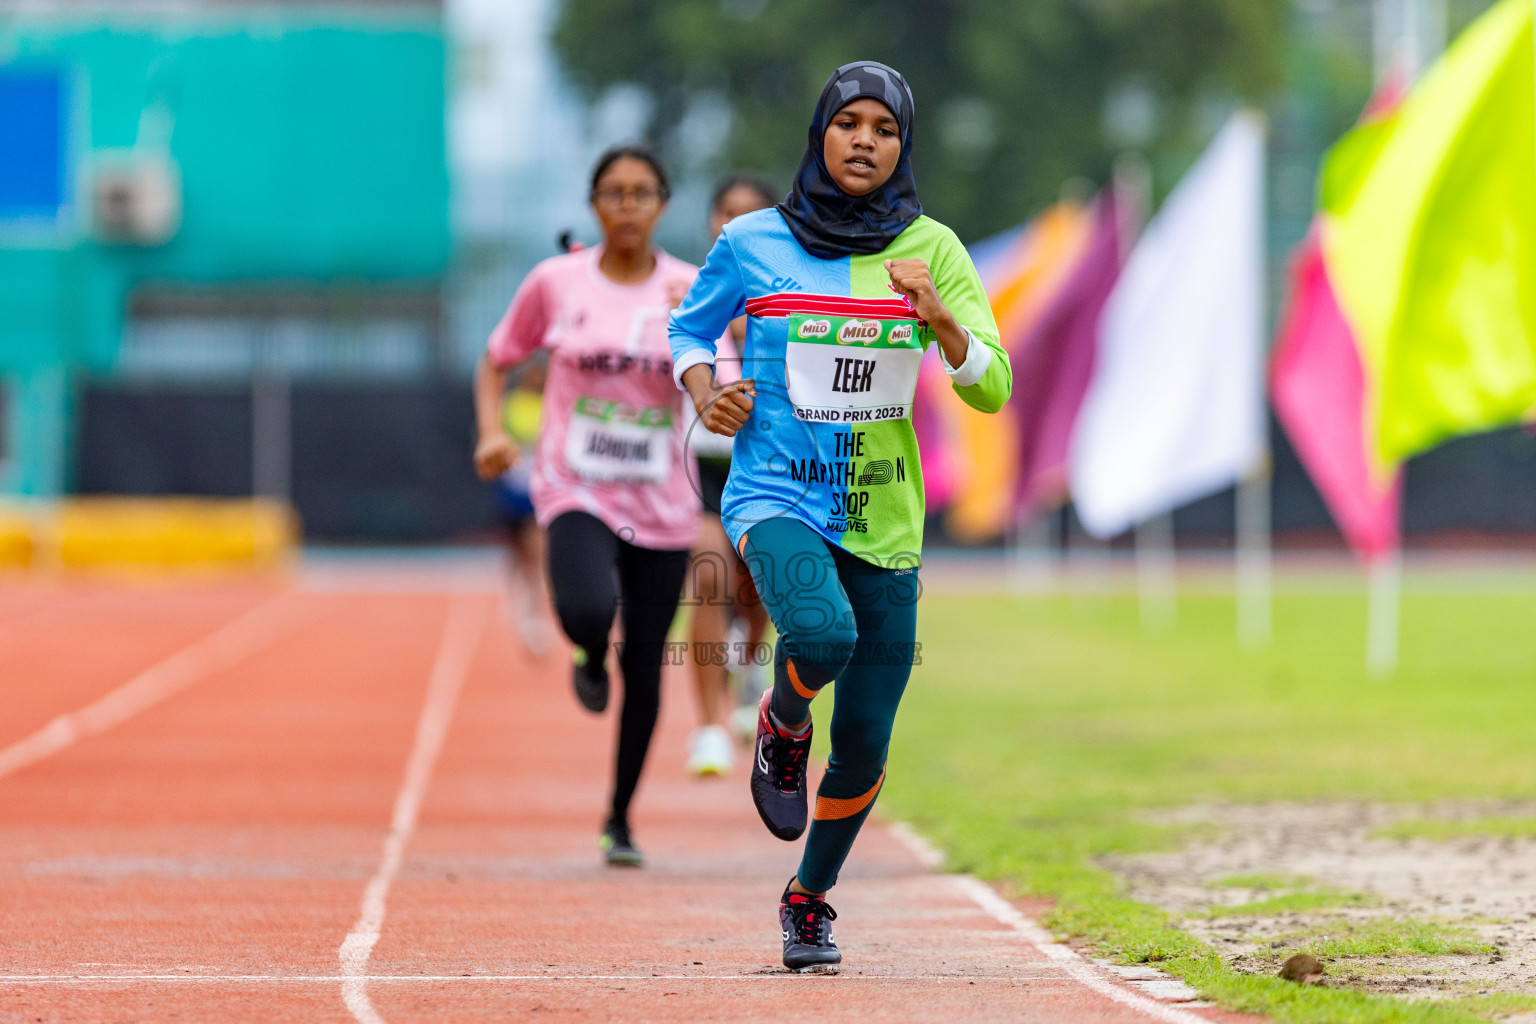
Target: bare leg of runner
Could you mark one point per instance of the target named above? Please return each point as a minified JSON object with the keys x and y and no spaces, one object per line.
{"x":530,"y":597}
{"x":714,"y":572}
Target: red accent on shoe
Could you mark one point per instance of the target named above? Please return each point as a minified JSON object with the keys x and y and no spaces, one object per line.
{"x":765,"y":716}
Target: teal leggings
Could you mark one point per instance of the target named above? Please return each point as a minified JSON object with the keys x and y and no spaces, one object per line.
{"x":839,"y":618}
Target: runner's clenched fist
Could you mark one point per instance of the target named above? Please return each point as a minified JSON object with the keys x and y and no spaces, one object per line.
{"x":911,"y":278}
{"x":723,"y":409}
{"x":494,"y":455}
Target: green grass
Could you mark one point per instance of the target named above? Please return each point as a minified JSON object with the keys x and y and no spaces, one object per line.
{"x":1381,"y":937}
{"x":1293,"y":894}
{"x":1304,"y":902}
{"x":1496,"y":1004}
{"x":1265,"y":882}
{"x":1442,"y":830}
{"x":1037,"y":735}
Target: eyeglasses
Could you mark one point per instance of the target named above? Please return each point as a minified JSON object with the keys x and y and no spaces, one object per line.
{"x":618,"y":196}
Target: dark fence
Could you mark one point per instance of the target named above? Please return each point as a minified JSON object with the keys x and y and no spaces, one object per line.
{"x":369,"y":461}
{"x":389,"y":461}
{"x":1484,"y":485}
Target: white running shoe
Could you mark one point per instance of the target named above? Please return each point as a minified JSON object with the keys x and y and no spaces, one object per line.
{"x":710,"y":751}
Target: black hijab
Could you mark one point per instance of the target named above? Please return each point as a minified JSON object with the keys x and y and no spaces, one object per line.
{"x":827,"y":221}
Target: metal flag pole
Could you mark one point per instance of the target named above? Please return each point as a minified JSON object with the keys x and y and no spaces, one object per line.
{"x":1254,"y":557}
{"x":1032,"y":553}
{"x":1385,"y":604}
{"x":1157,"y":581}
{"x":1408,"y":35}
{"x":1253,"y":541}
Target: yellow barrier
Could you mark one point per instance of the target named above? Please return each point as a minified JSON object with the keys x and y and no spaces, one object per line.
{"x":150,"y":533}
{"x":16,"y":538}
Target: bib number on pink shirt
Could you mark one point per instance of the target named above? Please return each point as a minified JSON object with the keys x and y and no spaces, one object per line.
{"x":851,"y":370}
{"x":608,"y":442}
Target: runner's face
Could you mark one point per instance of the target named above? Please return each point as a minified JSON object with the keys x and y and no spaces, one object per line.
{"x":739,"y":200}
{"x":861,"y":146}
{"x":627,"y":201}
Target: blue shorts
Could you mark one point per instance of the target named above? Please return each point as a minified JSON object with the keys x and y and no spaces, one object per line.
{"x":514,"y":501}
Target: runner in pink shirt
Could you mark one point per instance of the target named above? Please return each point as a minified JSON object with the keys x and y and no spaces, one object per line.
{"x":610,"y":476}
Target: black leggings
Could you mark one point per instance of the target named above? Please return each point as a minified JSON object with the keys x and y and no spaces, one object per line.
{"x":592,"y":572}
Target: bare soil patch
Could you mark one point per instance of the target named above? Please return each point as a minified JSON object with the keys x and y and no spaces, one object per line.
{"x":1427,"y":919}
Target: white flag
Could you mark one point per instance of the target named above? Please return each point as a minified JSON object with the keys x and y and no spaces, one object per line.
{"x":1176,"y":407}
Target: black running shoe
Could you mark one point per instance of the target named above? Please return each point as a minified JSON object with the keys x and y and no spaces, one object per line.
{"x":806,"y":922}
{"x":778,"y":775}
{"x":590,"y":678}
{"x":618,"y":848}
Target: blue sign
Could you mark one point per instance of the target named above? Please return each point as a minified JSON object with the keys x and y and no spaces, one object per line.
{"x":33,"y":145}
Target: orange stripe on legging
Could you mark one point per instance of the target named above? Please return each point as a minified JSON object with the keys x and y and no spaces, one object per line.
{"x":741,"y":547}
{"x":832,"y":808}
{"x":794,"y":680}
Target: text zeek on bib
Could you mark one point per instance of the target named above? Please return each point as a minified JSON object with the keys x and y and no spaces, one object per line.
{"x":844,"y":369}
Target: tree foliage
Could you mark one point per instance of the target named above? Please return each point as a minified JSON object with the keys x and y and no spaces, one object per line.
{"x":1011,"y":95}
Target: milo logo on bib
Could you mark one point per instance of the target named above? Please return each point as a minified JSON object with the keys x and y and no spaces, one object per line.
{"x":609,"y":441}
{"x":849,"y":331}
{"x":860,"y":332}
{"x":849,"y":369}
{"x":606,"y":411}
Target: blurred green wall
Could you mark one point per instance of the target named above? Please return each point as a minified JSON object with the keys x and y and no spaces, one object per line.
{"x":311,"y":148}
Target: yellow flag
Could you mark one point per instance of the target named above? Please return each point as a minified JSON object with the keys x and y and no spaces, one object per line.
{"x":1429,"y":232}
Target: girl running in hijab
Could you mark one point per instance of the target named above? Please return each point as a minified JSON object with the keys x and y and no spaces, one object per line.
{"x":722,"y":588}
{"x":610,"y":481}
{"x":844,"y":286}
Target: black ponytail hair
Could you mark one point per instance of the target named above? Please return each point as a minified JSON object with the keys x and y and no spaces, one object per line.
{"x":632,"y":151}
{"x":745,"y":179}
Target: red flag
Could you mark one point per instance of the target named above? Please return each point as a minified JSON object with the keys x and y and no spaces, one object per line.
{"x":1053,"y":362}
{"x":1317,"y":384}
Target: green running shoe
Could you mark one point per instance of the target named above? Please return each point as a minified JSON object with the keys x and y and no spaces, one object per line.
{"x":618,"y":848}
{"x":590,"y":679}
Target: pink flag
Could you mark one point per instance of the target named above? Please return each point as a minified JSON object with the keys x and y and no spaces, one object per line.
{"x":1317,"y":383}
{"x":1053,"y":362}
{"x":934,"y":448}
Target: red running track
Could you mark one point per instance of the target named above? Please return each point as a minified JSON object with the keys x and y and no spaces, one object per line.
{"x":376,"y":805}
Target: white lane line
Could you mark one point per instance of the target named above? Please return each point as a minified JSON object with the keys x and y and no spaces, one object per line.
{"x":763,"y":975}
{"x":928,"y":855}
{"x":1065,"y":957}
{"x":461,"y":635}
{"x":254,"y":631}
{"x":985,"y":897}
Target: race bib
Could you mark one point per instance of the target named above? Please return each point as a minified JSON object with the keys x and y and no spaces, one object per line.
{"x":611,"y":441}
{"x":845,"y":369}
